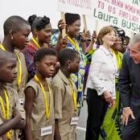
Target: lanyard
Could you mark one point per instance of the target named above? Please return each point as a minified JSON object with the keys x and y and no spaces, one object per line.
{"x":118,"y":57}
{"x":2,"y":47}
{"x":19,"y":70}
{"x":36,"y":43}
{"x":73,"y":95}
{"x":6,"y":111}
{"x":47,"y":108}
{"x":74,"y":43}
{"x":19,"y":67}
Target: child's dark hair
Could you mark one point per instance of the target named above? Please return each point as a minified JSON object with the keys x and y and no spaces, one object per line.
{"x":67,"y":54}
{"x":41,"y":53}
{"x":38,"y":23}
{"x":71,"y":18}
{"x":14,"y":23}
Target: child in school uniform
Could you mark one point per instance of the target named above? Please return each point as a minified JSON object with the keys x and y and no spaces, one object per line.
{"x":16,"y":31}
{"x":10,"y":108}
{"x":39,"y":98}
{"x":65,"y":98}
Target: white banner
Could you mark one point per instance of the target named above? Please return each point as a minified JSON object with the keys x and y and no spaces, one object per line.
{"x":122,"y":13}
{"x":76,"y":6}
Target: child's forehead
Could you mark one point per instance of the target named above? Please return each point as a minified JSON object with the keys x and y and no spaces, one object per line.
{"x":49,"y":58}
{"x":24,"y":27}
{"x":5,"y":61}
{"x":6,"y":57}
{"x":6,"y":54}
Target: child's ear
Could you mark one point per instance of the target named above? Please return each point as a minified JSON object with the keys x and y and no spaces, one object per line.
{"x":68,"y":64}
{"x":11,"y":33}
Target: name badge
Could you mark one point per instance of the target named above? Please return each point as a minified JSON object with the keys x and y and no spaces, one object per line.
{"x":74,"y":120}
{"x":46,"y":131}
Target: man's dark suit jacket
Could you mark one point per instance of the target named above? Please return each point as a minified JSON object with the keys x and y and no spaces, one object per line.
{"x":129,"y":84}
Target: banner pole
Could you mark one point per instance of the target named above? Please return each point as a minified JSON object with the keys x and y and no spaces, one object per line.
{"x":85,"y":23}
{"x":64,"y":30}
{"x":96,"y":25}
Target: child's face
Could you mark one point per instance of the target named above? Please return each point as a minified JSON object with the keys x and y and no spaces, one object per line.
{"x":8,"y":71}
{"x":47,"y":65}
{"x":44,"y":35}
{"x":74,"y":65}
{"x":20,"y":37}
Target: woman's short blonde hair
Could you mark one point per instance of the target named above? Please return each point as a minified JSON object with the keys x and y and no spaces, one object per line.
{"x":105,"y":30}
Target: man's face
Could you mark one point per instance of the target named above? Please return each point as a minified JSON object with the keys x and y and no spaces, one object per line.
{"x":135,"y":53}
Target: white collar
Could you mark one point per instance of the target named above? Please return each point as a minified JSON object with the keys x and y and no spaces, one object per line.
{"x":106,"y":51}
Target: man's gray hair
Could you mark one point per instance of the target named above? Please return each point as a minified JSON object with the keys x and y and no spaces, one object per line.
{"x":135,"y":39}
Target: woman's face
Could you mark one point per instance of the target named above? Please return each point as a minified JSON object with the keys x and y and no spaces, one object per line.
{"x":109,"y":39}
{"x":74,"y":28}
{"x":118,"y":44}
{"x":44,"y":35}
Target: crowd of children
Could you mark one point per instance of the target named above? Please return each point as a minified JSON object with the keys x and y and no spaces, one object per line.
{"x":41,"y":86}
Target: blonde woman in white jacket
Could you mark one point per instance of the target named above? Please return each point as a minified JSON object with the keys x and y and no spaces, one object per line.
{"x":101,"y":82}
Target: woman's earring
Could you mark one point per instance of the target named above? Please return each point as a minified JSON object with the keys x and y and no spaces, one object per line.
{"x":11,"y":37}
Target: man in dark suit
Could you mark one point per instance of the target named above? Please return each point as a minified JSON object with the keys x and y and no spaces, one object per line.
{"x":129,"y":85}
